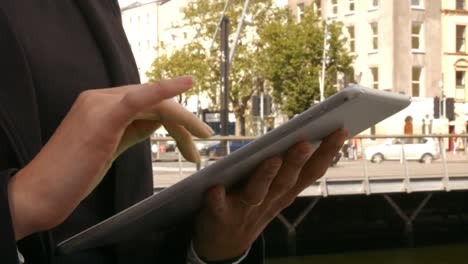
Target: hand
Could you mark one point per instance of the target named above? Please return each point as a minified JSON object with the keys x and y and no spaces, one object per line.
{"x":100,"y":125}
{"x":231,"y":222}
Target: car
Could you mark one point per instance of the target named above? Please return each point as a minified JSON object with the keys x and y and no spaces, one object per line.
{"x":202,"y":146}
{"x":214,"y":151}
{"x":424,"y":150}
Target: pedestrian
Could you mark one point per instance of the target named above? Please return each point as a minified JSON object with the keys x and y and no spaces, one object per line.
{"x":74,"y":153}
{"x":408,"y":129}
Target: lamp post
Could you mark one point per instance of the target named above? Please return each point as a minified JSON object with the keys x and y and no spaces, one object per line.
{"x":326,"y":47}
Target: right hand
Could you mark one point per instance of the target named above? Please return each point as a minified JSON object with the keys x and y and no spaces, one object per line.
{"x":100,"y":125}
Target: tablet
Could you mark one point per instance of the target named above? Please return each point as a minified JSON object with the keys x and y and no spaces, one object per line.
{"x":354,"y":109}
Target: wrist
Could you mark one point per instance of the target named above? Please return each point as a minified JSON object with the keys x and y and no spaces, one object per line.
{"x":194,"y":258}
{"x":215,"y":254}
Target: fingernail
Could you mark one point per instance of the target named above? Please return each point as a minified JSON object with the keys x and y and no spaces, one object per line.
{"x":209,"y":130}
{"x":187,"y":80}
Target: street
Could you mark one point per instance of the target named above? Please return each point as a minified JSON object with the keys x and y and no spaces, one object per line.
{"x":167,"y":173}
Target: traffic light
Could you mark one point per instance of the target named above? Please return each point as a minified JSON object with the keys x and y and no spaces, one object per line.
{"x":267,"y":105}
{"x":255,"y":105}
{"x":450,"y":108}
{"x":256,"y":102}
{"x":436,"y":107}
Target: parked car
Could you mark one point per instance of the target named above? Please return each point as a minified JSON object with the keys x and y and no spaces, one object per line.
{"x":214,"y":151}
{"x":202,"y":146}
{"x":424,"y":150}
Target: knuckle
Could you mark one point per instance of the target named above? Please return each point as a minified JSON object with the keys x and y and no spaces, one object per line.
{"x":282,"y":186}
{"x":86,"y":96}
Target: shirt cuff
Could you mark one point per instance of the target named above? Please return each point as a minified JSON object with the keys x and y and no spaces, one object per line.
{"x":193,"y":258}
{"x":20,"y":257}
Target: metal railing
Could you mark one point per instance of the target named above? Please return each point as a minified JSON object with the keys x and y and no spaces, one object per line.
{"x":365,"y":182}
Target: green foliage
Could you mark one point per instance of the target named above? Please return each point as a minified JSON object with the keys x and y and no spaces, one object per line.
{"x":273,"y":53}
{"x":190,"y":60}
{"x":203,"y":16}
{"x":292,"y":59}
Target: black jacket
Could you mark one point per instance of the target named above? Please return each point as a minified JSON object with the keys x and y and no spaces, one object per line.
{"x":45,"y":47}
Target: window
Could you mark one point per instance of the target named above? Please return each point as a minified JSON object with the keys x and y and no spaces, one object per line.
{"x":460,"y":4}
{"x":374,"y":4}
{"x":416,"y":36}
{"x":334,"y":7}
{"x":416,"y":81}
{"x":351,"y":39}
{"x":375,"y":77}
{"x":417,"y":3}
{"x":300,"y":12}
{"x":460,"y":38}
{"x":318,"y":7}
{"x":460,"y":79}
{"x":351,"y":6}
{"x":374,"y":36}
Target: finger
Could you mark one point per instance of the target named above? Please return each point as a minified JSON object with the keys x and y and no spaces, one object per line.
{"x":137,"y":131}
{"x":257,"y":187}
{"x":287,"y":176}
{"x":319,"y":162}
{"x":184,"y":141}
{"x":216,"y":201}
{"x":169,"y":111}
{"x":143,"y":97}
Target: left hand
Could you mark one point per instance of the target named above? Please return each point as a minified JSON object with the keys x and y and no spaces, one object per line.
{"x":230,"y":222}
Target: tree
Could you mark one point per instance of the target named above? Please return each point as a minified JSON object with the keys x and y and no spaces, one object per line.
{"x":291,"y":59}
{"x":203,"y":16}
{"x":190,"y":60}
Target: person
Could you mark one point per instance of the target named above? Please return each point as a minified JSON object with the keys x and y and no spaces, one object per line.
{"x":73,"y":153}
{"x":408,"y":130}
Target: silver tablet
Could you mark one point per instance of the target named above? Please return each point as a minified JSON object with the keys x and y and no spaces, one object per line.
{"x":354,"y":109}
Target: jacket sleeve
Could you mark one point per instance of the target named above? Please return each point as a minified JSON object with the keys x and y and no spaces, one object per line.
{"x":8,"y":251}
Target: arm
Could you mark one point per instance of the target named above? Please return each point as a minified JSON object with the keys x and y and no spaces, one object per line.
{"x":49,"y":188}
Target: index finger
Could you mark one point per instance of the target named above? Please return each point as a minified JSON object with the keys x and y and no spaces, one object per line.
{"x":143,"y":97}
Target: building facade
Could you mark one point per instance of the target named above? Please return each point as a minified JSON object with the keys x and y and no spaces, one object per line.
{"x":455,"y":60}
{"x":152,"y":25}
{"x":393,"y":44}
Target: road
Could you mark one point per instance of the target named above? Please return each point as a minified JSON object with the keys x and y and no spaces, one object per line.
{"x":169,"y":172}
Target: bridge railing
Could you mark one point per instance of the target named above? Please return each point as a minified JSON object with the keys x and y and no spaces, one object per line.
{"x":444,"y":171}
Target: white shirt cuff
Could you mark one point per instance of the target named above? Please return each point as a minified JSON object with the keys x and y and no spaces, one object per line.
{"x":193,"y":258}
{"x":20,"y":257}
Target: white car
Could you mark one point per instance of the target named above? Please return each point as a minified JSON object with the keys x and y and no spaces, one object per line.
{"x":424,"y":150}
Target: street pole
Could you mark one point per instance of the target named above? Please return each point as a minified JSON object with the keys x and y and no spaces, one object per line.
{"x":225,"y":80}
{"x":239,"y":29}
{"x":219,"y":24}
{"x":324,"y":58}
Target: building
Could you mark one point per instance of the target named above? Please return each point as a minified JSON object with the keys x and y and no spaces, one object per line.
{"x":396,"y":47}
{"x":455,"y":60}
{"x":150,"y":25}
